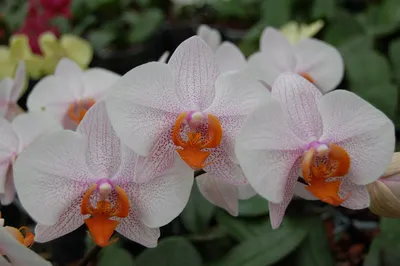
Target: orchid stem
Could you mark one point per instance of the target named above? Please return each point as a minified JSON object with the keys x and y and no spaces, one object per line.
{"x":90,"y":256}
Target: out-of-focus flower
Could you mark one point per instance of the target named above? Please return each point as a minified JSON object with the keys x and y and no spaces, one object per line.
{"x":70,"y":92}
{"x":68,"y":46}
{"x":26,"y":240}
{"x":211,"y":36}
{"x":317,"y":61}
{"x":57,"y":7}
{"x":15,"y":137}
{"x":385,"y":192}
{"x":19,"y":50}
{"x":338,"y":142}
{"x":89,"y":177}
{"x":10,"y":91}
{"x":230,"y":58}
{"x":13,"y":245}
{"x":296,"y":32}
{"x":185,"y":108}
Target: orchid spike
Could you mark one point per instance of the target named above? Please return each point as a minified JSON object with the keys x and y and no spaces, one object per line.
{"x":337,"y":142}
{"x":89,"y":177}
{"x":70,"y":92}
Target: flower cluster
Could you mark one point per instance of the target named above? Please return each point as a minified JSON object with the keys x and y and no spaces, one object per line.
{"x":119,"y":153}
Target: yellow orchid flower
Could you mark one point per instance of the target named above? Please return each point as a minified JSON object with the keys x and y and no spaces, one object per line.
{"x":296,"y":32}
{"x":70,"y":46}
{"x":18,"y":50}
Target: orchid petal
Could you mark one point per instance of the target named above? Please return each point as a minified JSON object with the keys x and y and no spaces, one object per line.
{"x":164,"y":57}
{"x":230,"y":58}
{"x":298,"y":98}
{"x":103,"y":155}
{"x":195,"y":70}
{"x":359,"y":197}
{"x":97,"y":82}
{"x":301,"y":191}
{"x":266,"y":149}
{"x":246,"y":192}
{"x":30,"y":126}
{"x":18,"y":254}
{"x":9,"y":140}
{"x":52,"y":173}
{"x":219,"y":192}
{"x":18,"y":85}
{"x":5,"y":95}
{"x":211,"y":36}
{"x":277,"y":211}
{"x":259,"y":68}
{"x":362,"y":130}
{"x":71,"y":74}
{"x":143,"y":106}
{"x":8,"y":196}
{"x":321,"y":61}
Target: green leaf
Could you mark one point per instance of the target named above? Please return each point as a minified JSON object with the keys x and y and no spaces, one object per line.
{"x":342,"y":27}
{"x":394,"y":55}
{"x":242,"y":229}
{"x":255,"y":206}
{"x":389,"y":241}
{"x":79,"y":8}
{"x":266,"y":249}
{"x":61,"y":23}
{"x":143,"y":3}
{"x":324,"y":9}
{"x":115,"y":255}
{"x":148,"y":22}
{"x":173,"y":251}
{"x":276,"y":13}
{"x":100,"y":39}
{"x":198,"y":212}
{"x":355,"y":44}
{"x":315,"y":250}
{"x":83,"y":25}
{"x":374,"y":256}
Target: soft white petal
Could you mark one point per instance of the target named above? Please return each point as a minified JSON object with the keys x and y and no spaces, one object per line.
{"x":261,"y":68}
{"x":19,"y":80}
{"x":359,"y":197}
{"x":219,"y":192}
{"x":13,"y":111}
{"x":321,"y":61}
{"x":267,"y":149}
{"x":246,"y":192}
{"x":211,"y":36}
{"x":163,"y":199}
{"x":277,"y":211}
{"x":301,"y":191}
{"x":9,"y":141}
{"x":230,"y":58}
{"x":9,"y":190}
{"x":97,"y":82}
{"x":362,"y":130}
{"x":164,"y":57}
{"x":103,"y":154}
{"x":30,"y":126}
{"x":69,"y":221}
{"x":70,"y":73}
{"x":195,"y":70}
{"x":52,"y":173}
{"x":299,"y":98}
{"x":18,"y":254}
{"x":5,"y":95}
{"x":143,"y":106}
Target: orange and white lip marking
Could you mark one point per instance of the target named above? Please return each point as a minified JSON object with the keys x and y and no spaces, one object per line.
{"x":78,"y":109}
{"x":192,"y":150}
{"x":100,"y":224}
{"x":323,"y":166}
{"x":22,"y":235}
{"x":306,"y":76}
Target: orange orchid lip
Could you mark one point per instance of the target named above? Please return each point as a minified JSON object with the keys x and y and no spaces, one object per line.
{"x":192,"y":150}
{"x":100,"y":223}
{"x":77,"y":110}
{"x":323,"y":170}
{"x":306,"y":76}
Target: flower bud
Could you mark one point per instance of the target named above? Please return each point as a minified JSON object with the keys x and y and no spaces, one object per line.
{"x":385,"y":192}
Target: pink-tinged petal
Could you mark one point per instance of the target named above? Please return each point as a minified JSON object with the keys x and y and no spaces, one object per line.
{"x":211,"y":36}
{"x":266,"y":149}
{"x":13,"y":111}
{"x":19,"y":80}
{"x":8,"y":196}
{"x":4,"y":169}
{"x":51,"y":94}
{"x":52,"y":173}
{"x":223,"y":167}
{"x":359,"y":197}
{"x":163,"y":199}
{"x":301,"y":191}
{"x":9,"y":144}
{"x":103,"y":154}
{"x":18,"y":254}
{"x":260,"y":68}
{"x":321,"y":61}
{"x":164,"y":57}
{"x":143,"y":105}
{"x":30,"y":126}
{"x":72,"y":75}
{"x":298,"y":98}
{"x":97,"y":82}
{"x":219,"y":192}
{"x":195,"y":70}
{"x":69,"y":221}
{"x":230,"y":58}
{"x":135,"y":230}
{"x":5,"y":95}
{"x":277,"y":210}
{"x":362,"y":130}
{"x":246,"y":192}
